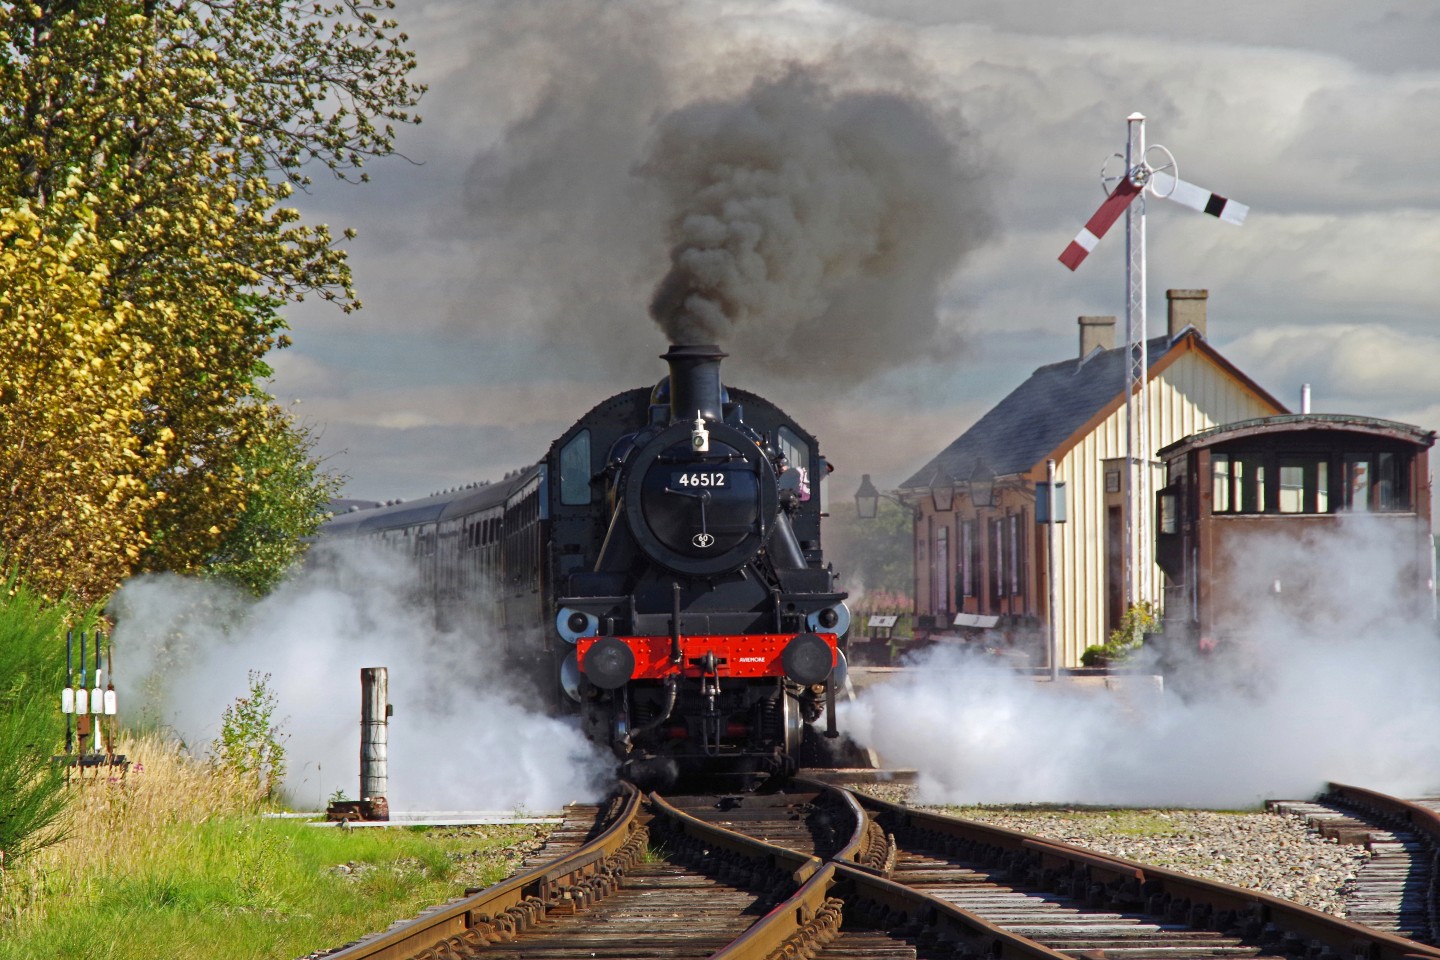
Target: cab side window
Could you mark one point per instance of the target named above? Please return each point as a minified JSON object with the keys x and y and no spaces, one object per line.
{"x":575,"y":470}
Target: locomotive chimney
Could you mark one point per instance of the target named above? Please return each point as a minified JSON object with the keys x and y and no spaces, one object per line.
{"x":695,"y":381}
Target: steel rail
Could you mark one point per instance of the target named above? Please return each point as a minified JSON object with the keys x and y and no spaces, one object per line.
{"x":1100,"y":878}
{"x":842,"y":895}
{"x":513,"y":905}
{"x":1419,"y":818}
{"x":578,"y":881}
{"x":868,"y":846}
{"x":840,"y":891}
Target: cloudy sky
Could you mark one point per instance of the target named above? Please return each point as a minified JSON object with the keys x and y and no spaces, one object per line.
{"x":875,"y":193}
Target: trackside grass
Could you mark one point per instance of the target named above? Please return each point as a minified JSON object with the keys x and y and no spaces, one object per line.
{"x":175,"y":860}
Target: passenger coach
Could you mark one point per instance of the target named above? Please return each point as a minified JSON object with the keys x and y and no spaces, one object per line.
{"x":1265,"y":515}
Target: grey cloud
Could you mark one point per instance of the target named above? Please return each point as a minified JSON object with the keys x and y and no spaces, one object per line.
{"x":539,"y":238}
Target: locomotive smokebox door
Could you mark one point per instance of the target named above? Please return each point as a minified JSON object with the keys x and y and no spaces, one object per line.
{"x":700,"y":514}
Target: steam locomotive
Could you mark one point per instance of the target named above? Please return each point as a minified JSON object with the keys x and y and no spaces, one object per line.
{"x":659,"y":574}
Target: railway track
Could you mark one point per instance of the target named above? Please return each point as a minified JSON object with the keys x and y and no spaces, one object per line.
{"x":1398,"y":890}
{"x":816,"y":871}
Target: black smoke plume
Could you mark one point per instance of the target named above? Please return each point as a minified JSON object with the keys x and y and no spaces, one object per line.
{"x":814,"y":205}
{"x":813,"y":223}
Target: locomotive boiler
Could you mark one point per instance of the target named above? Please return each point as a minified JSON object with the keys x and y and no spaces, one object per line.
{"x":659,"y":574}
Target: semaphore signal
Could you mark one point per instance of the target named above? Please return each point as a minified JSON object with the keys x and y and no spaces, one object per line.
{"x":1140,"y":170}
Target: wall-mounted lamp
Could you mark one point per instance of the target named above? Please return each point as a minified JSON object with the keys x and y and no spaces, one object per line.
{"x":867,"y":500}
{"x":942,"y":490}
{"x":982,"y":485}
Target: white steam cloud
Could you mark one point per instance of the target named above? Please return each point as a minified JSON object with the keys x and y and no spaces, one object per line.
{"x":1345,"y":692}
{"x":464,"y":737}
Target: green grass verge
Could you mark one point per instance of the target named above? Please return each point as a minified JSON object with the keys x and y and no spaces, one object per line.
{"x":244,"y":887}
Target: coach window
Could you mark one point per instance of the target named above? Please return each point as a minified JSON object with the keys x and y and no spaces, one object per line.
{"x":1304,"y":485}
{"x":1220,"y":470}
{"x":1356,"y":480}
{"x":575,"y":470}
{"x":1239,"y":483}
{"x":1389,"y":494}
{"x":1168,"y":506}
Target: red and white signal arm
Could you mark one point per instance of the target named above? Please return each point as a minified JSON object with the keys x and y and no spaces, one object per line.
{"x":1099,"y":222}
{"x":1163,"y":185}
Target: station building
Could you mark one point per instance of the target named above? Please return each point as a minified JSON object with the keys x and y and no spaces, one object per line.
{"x":979,"y":552}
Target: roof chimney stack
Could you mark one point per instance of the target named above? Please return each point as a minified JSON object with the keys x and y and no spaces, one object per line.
{"x":1187,"y":309}
{"x":1096,"y":332}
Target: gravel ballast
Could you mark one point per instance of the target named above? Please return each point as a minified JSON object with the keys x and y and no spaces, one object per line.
{"x":1272,"y":853}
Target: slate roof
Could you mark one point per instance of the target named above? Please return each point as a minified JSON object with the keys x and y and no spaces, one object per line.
{"x":1040,"y":415}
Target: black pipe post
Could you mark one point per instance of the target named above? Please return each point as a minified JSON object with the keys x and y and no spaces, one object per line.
{"x":70,"y":682}
{"x":82,"y":718}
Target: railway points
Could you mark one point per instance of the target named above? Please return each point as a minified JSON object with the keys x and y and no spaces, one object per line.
{"x":815,"y":870}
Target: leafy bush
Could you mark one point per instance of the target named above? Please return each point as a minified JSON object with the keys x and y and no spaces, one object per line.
{"x":251,"y":745}
{"x":1126,"y":639}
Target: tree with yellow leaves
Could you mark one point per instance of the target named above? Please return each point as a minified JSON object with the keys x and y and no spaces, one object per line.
{"x":146,"y":151}
{"x":72,"y":395}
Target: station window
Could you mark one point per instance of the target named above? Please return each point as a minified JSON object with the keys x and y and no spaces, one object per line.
{"x":941,"y":566}
{"x":998,"y":582}
{"x":1016,"y":557}
{"x":575,"y":470}
{"x":967,"y":558}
